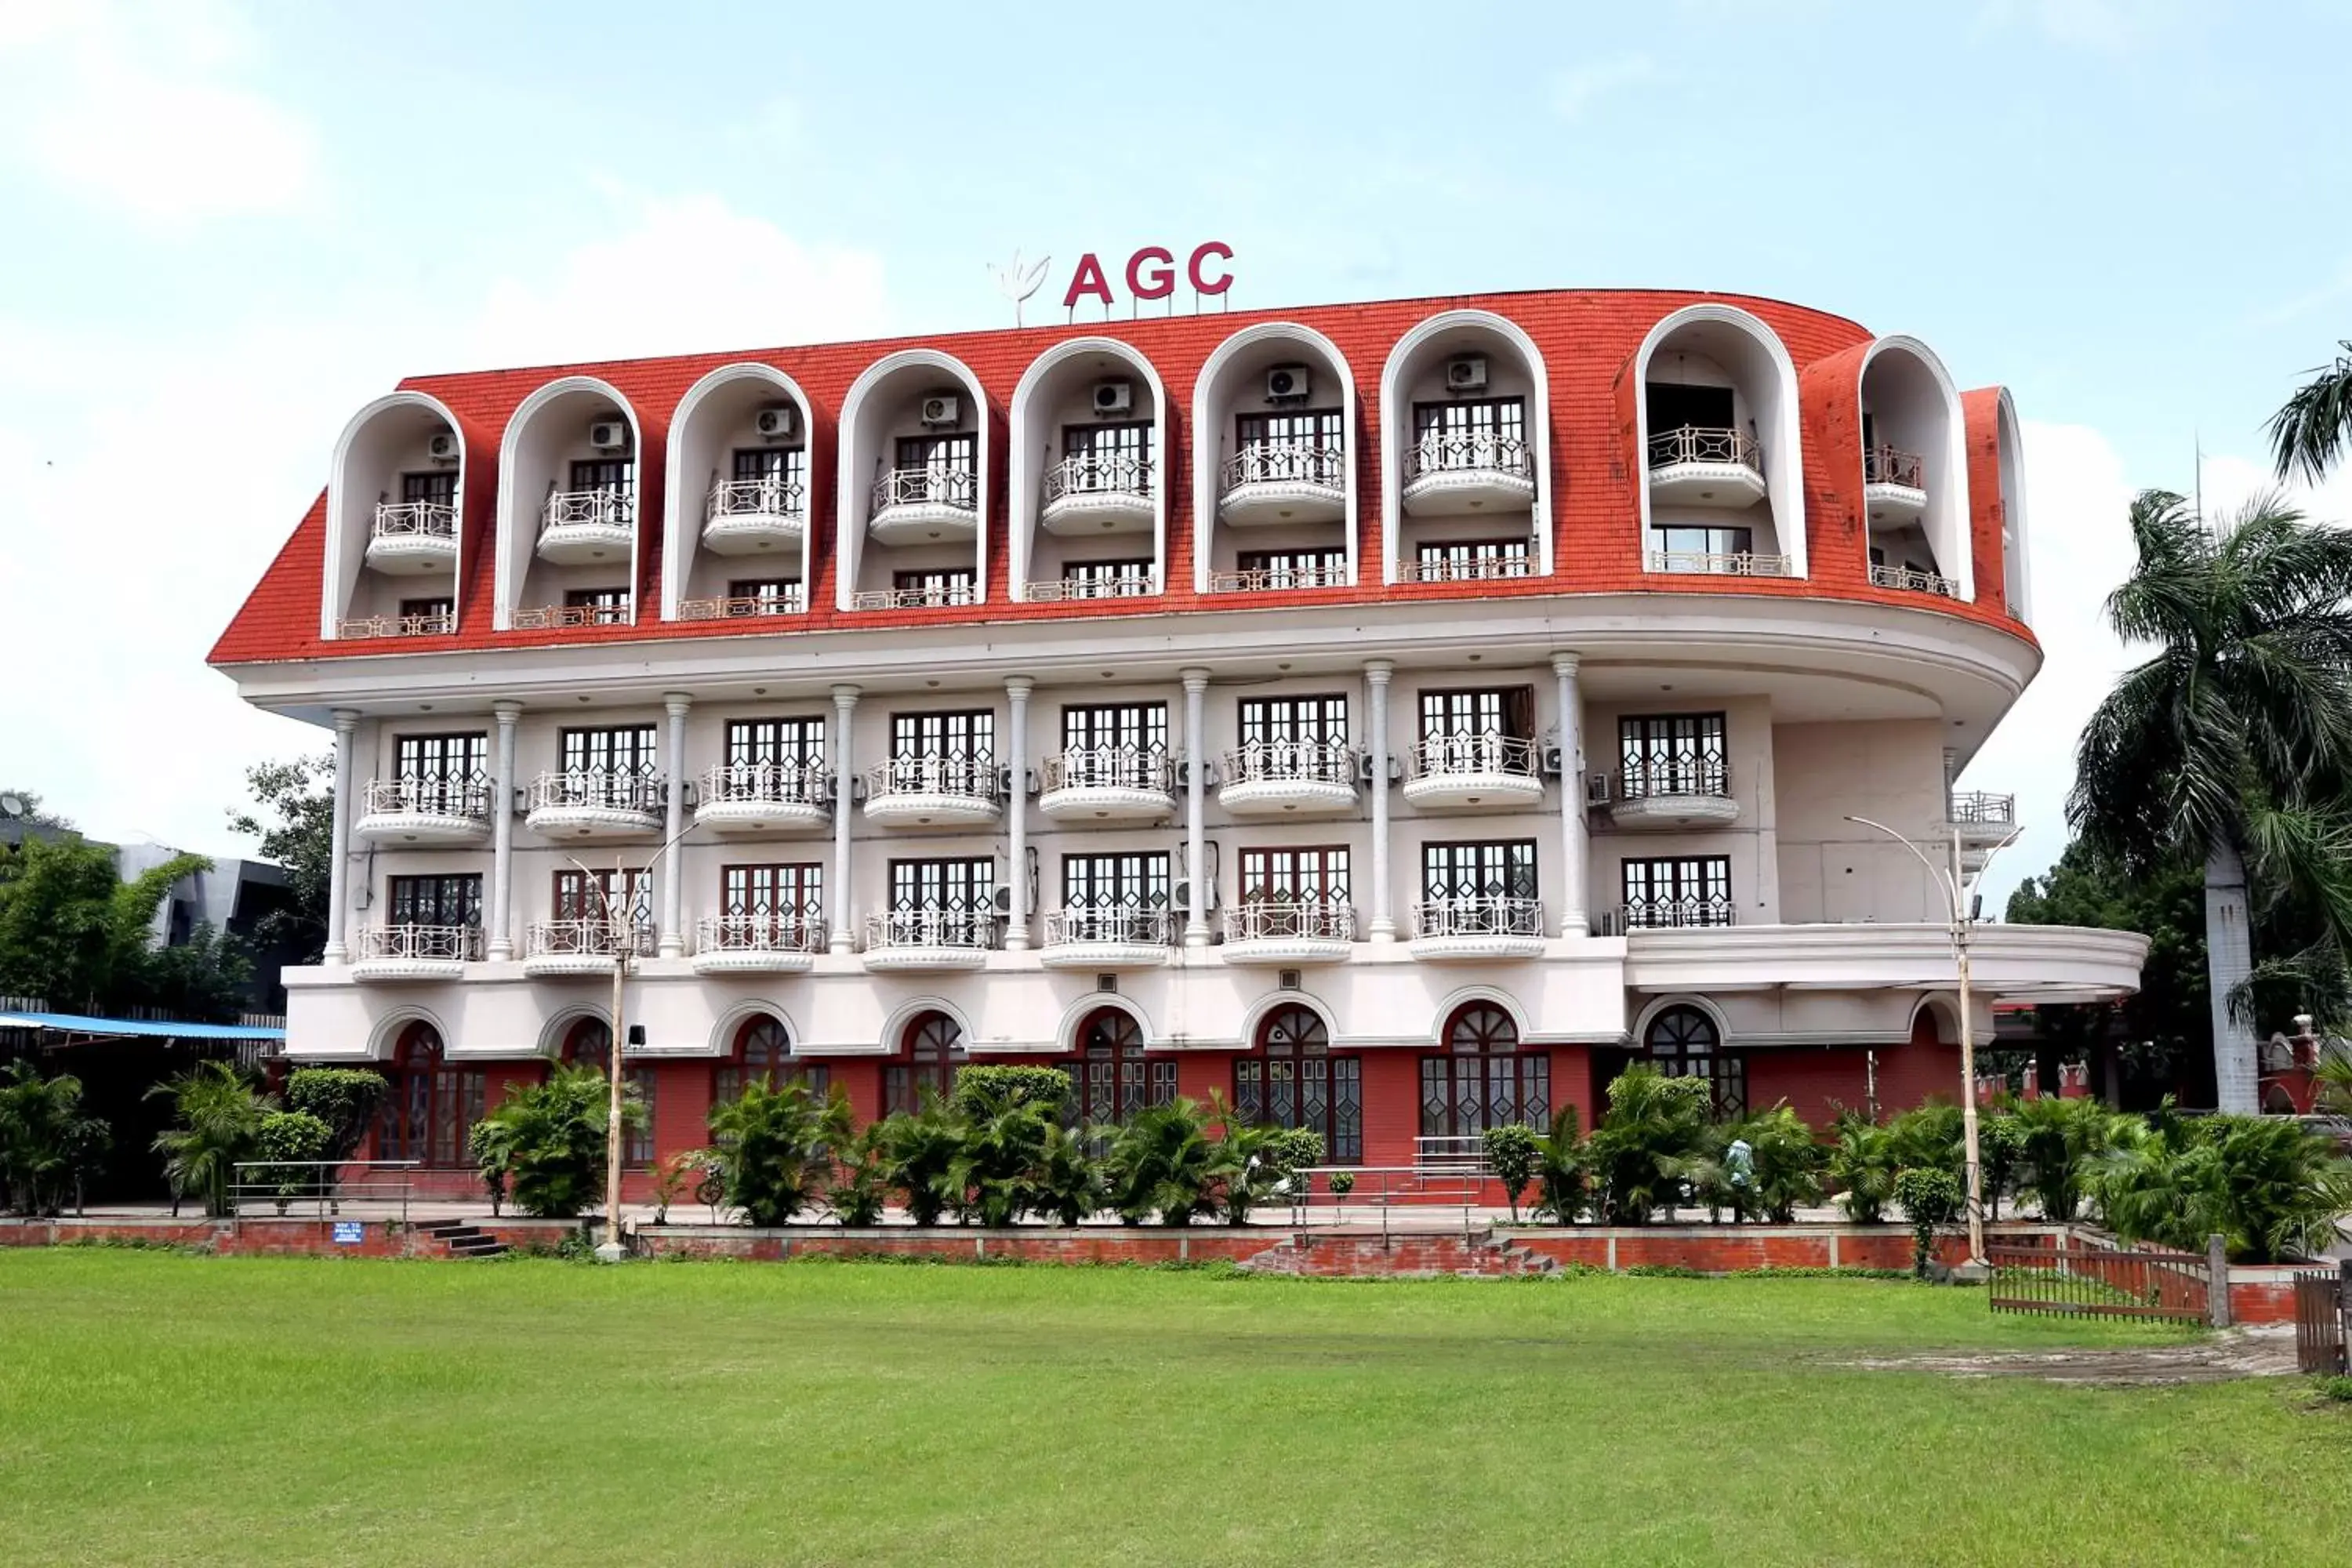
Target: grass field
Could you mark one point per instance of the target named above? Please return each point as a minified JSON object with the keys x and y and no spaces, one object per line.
{"x":162,"y":1408}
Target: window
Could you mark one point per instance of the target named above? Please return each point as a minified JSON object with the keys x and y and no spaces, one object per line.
{"x":942,"y":586}
{"x":439,"y":488}
{"x":1140,"y":728}
{"x":958,"y":886}
{"x":1115,"y":456}
{"x":1295,"y":876}
{"x":1680,"y":541}
{"x":1268,"y":720}
{"x":590,"y":1044}
{"x":429,"y":1108}
{"x":1679,"y":890}
{"x":1510,"y":712}
{"x":1109,"y":579}
{"x":1490,"y":869}
{"x":1470,"y":433}
{"x":940,"y":454}
{"x":1135,"y":879}
{"x":763,"y":1055}
{"x":1115,"y":1077}
{"x":788,"y":465}
{"x":627,"y":752}
{"x":1684,"y":1043}
{"x":963,"y":737}
{"x":763,"y":596}
{"x":930,"y":1051}
{"x":442,"y":759}
{"x":1673,"y":405}
{"x":451,"y":899}
{"x":1472,"y":558}
{"x":1295,"y":568}
{"x":751,"y":742}
{"x":601,"y":473}
{"x":435,"y":614}
{"x":1293,"y":1080}
{"x":605,"y":607}
{"x":1484,"y":1079}
{"x":795,"y":891}
{"x":1671,"y":753}
{"x":1304,"y":428}
{"x":592,"y":895}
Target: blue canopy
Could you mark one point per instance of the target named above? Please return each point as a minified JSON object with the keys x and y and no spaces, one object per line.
{"x":74,"y":1024}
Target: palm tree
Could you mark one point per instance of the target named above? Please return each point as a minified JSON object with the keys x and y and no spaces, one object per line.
{"x":2309,"y":434}
{"x":219,"y":1128}
{"x":2231,"y":744}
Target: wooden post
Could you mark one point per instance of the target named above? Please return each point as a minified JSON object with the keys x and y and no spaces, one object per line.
{"x":2217,"y":1289}
{"x":2344,"y":1315}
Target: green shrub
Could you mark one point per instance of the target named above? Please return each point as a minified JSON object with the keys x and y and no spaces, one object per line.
{"x":1930,"y":1137}
{"x":1931,"y":1197}
{"x":551,"y":1144}
{"x":218,"y":1120}
{"x":1862,"y":1163}
{"x":2337,"y":1388}
{"x":1643,"y":1149}
{"x":1001,"y":1142}
{"x":490,"y":1145}
{"x":1562,"y":1168}
{"x":1515,"y":1154}
{"x":920,"y":1157}
{"x":2001,"y":1155}
{"x":862,"y":1186}
{"x":2272,"y":1187}
{"x":295,"y":1139}
{"x":1163,"y":1163}
{"x":776,"y":1148}
{"x":1259,"y":1164}
{"x":47,"y":1146}
{"x":1068,"y":1183}
{"x":985,"y":1091}
{"x":1784,"y":1165}
{"x":1340,"y":1183}
{"x":345,"y":1098}
{"x":2060,"y":1139}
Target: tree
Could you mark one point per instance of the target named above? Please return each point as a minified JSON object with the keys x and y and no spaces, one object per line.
{"x":293,"y":819}
{"x":548,"y":1146}
{"x":47,"y":1144}
{"x":1643,"y":1150}
{"x":776,"y":1147}
{"x":2309,"y":432}
{"x":2231,"y":744}
{"x":218,"y":1127}
{"x":345,"y":1098}
{"x":33,"y":815}
{"x":71,"y":930}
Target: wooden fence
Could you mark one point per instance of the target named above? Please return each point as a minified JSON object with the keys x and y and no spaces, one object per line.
{"x":2069,"y":1280}
{"x":2323,"y":1320}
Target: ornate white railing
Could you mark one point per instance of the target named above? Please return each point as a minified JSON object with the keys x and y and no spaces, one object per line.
{"x":1909,"y":580}
{"x":1697,"y":444}
{"x":1676,"y":777}
{"x":974,"y":928}
{"x":790,"y":602}
{"x":551,"y":938}
{"x":1483,"y":915}
{"x":770,"y":497}
{"x":1115,"y":473}
{"x":1889,"y":465}
{"x":572,"y":508}
{"x":447,"y":944}
{"x":1308,"y":762}
{"x":610,"y":789}
{"x":1673,"y":913}
{"x":1987,"y":810}
{"x":427,"y":796}
{"x":1266,"y":579}
{"x":1057,"y":589}
{"x":1111,"y":924}
{"x":758,"y":933}
{"x":956,"y":488}
{"x":1285,"y":463}
{"x":440,"y":624}
{"x":1444,"y":756}
{"x":1276,"y":919}
{"x":1446,"y":452}
{"x":914,"y":598}
{"x":1745,"y":564}
{"x":970,"y":778}
{"x":541,"y":617}
{"x":1109,"y":767}
{"x":769,"y":784}
{"x":1479,"y":569}
{"x":415,"y":520}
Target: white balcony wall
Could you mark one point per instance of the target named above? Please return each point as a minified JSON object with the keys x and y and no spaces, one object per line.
{"x":1724,"y":343}
{"x":547,"y":433}
{"x":1415,"y":375}
{"x":1914,"y":408}
{"x":714,"y":420}
{"x":388,"y":438}
{"x":1677,"y":366}
{"x":882,"y":405}
{"x":1836,"y":871}
{"x":1057,"y":394}
{"x":1232,"y":383}
{"x":2016,"y":561}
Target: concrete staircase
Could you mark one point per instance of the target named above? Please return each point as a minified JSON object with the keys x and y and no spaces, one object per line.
{"x":459,"y":1239}
{"x":1404,"y":1256}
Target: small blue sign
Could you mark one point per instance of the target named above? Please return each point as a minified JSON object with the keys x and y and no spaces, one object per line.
{"x":348,"y":1232}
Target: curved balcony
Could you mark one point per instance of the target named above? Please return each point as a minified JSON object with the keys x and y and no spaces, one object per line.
{"x":1450,"y":931}
{"x":1983,"y":823}
{"x":424,"y":811}
{"x":404,"y":953}
{"x":941,"y":597}
{"x":595,"y":803}
{"x":790,"y":602}
{"x":928,"y":939}
{"x":1289,"y":931}
{"x":751,"y":517}
{"x":1476,"y":569}
{"x":1492,"y":771}
{"x":765,"y":797}
{"x":925,"y":506}
{"x":1907,"y":580}
{"x":1670,"y":912}
{"x":555,"y":949}
{"x":1062,"y":590}
{"x":1273,"y":484}
{"x":412,"y":538}
{"x":1300,"y":778}
{"x":1893,"y":485}
{"x":756,"y":944}
{"x":1117,"y":938}
{"x":1108,"y":783}
{"x":1091,"y":495}
{"x":1277,"y":579}
{"x":1676,"y":794}
{"x":1695,"y":465}
{"x":435,"y":623}
{"x":1745,"y":564}
{"x":934,"y":792}
{"x":580,"y":528}
{"x":1451,"y":474}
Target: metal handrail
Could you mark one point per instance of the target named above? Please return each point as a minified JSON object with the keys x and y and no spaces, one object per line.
{"x":790,"y":782}
{"x":766,"y":496}
{"x":955,"y":488}
{"x":604,"y":507}
{"x":1111,"y":473}
{"x":415,"y":519}
{"x":544,"y":618}
{"x":783,"y":932}
{"x":1055,"y":590}
{"x":458,"y":944}
{"x":1477,"y":569}
{"x":469,"y":798}
{"x":613,"y":789}
{"x":790,"y":602}
{"x":1990,"y":810}
{"x":1266,"y":579}
{"x":1740,"y":563}
{"x":970,"y":928}
{"x":970,"y":778}
{"x":1447,"y":756}
{"x":1482,"y":914}
{"x":1458,"y":451}
{"x":1910,"y":581}
{"x":1280,"y":918}
{"x":1109,"y":767}
{"x":1891,"y":466}
{"x":1689,"y":911}
{"x":1674,"y":777}
{"x":588,"y":938}
{"x":1299,"y":761}
{"x":1284,"y":462}
{"x":1117,"y":923}
{"x":323,"y":1185}
{"x":1701,"y":444}
{"x":914,"y":598}
{"x":438,"y":624}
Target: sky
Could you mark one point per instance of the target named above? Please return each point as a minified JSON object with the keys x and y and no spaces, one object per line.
{"x":229,"y":225}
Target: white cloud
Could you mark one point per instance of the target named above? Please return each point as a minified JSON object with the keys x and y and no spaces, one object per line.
{"x":1577,"y":88}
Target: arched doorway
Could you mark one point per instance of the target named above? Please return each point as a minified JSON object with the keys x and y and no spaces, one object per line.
{"x":1683,"y":1042}
{"x":1484,"y":1079}
{"x":589,"y":1043}
{"x":1290,"y":1078}
{"x":1115,"y":1077}
{"x":762,"y":1053}
{"x":429,"y":1107}
{"x":929,"y":1051}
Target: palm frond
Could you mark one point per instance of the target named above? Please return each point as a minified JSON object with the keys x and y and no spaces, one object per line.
{"x":2309,"y":431}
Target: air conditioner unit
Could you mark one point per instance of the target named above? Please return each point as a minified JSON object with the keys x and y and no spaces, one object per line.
{"x":1285,"y":382}
{"x":1596,"y":789}
{"x":1114,"y":396}
{"x":444,"y":448}
{"x":940,"y":410}
{"x":1181,"y":902}
{"x":1552,"y":764}
{"x":608,"y":435}
{"x":1004,"y":901}
{"x":1466,"y":373}
{"x":777,"y":422}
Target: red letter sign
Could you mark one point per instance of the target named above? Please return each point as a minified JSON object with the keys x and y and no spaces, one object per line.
{"x":1163,"y":277}
{"x":1223,"y":252}
{"x":1088,"y":279}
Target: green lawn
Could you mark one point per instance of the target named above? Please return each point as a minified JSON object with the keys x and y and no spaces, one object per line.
{"x":168,"y":1409}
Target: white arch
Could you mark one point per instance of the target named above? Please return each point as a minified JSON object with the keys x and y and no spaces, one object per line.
{"x":849,"y":519}
{"x":2010,"y":448}
{"x":559,"y":1022}
{"x":516,"y":537}
{"x":1208,"y":432}
{"x":1946,"y":1007}
{"x":1465,"y":996}
{"x":723,"y":1032}
{"x":1066,"y":1033}
{"x":681,"y":528}
{"x":385,"y":1037}
{"x":1026,"y":475}
{"x":349,"y":515}
{"x":1657,"y":1005}
{"x":894,"y":1028}
{"x":1396,"y":420}
{"x":1274,"y":1001}
{"x":1784,"y":476}
{"x":1949,"y":522}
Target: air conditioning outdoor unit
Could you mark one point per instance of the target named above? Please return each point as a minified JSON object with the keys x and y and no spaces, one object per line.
{"x":1285,"y":382}
{"x":1182,"y":899}
{"x":444,"y":448}
{"x":940,"y":410}
{"x":608,"y":435}
{"x":1553,"y":764}
{"x":1596,"y":789}
{"x":774,"y":423}
{"x":1114,"y":396}
{"x":1466,"y":373}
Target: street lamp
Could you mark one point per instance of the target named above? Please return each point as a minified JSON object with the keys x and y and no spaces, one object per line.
{"x":1963,"y":923}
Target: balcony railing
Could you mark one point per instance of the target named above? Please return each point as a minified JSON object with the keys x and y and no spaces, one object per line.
{"x":769,"y":497}
{"x":790,"y":602}
{"x":1887,"y":466}
{"x":1117,"y":923}
{"x":956,"y":488}
{"x":1987,"y":810}
{"x":427,"y":797}
{"x":544,"y":618}
{"x":1294,"y":919}
{"x":610,"y":789}
{"x":440,"y":623}
{"x":1914,"y":582}
{"x":1113,"y":473}
{"x":931,"y":598}
{"x":1479,"y":569}
{"x":758,"y":933}
{"x":1674,"y":913}
{"x":769,"y":784}
{"x":1059,"y":589}
{"x":1745,"y":564}
{"x":444,"y":944}
{"x":1445,"y":756}
{"x":1109,"y":767}
{"x":1285,"y":463}
{"x":1485,"y":914}
{"x":972,"y":928}
{"x":1676,"y":777}
{"x":1273,"y":579}
{"x":605,"y":507}
{"x":415,"y":520}
{"x":1697,"y":444}
{"x":589,"y":939}
{"x":1459,"y":451}
{"x":968,"y":778}
{"x":1307,"y":761}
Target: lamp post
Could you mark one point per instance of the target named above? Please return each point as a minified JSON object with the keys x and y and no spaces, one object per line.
{"x":1963,"y":924}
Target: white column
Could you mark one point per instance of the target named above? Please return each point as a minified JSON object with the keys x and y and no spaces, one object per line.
{"x":1574,"y":877}
{"x":1376,"y":682}
{"x":1196,"y":796}
{"x":1016,"y":761}
{"x":502,"y":807}
{"x":673,"y":883}
{"x":338,"y":890}
{"x":838,"y":911}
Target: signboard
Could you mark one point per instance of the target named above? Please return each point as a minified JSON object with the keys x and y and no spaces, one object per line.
{"x":1150,"y":275}
{"x":349,"y":1232}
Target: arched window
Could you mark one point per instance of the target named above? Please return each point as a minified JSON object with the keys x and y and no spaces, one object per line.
{"x":930,"y":1051}
{"x":1684,"y":1043}
{"x":1115,"y":1077}
{"x":1484,"y":1079}
{"x":589,"y":1043}
{"x":1291,"y":1080}
{"x":763,"y":1054}
{"x":429,"y":1107}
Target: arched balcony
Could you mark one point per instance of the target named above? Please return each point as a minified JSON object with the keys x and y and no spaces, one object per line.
{"x":1466,"y":418}
{"x":1088,"y":474}
{"x":1717,"y":447}
{"x":912,"y":508}
{"x":1274,"y":434}
{"x":736,"y":539}
{"x":569,"y":483}
{"x":2016,"y":574}
{"x":395,"y":520}
{"x":1915,"y":473}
